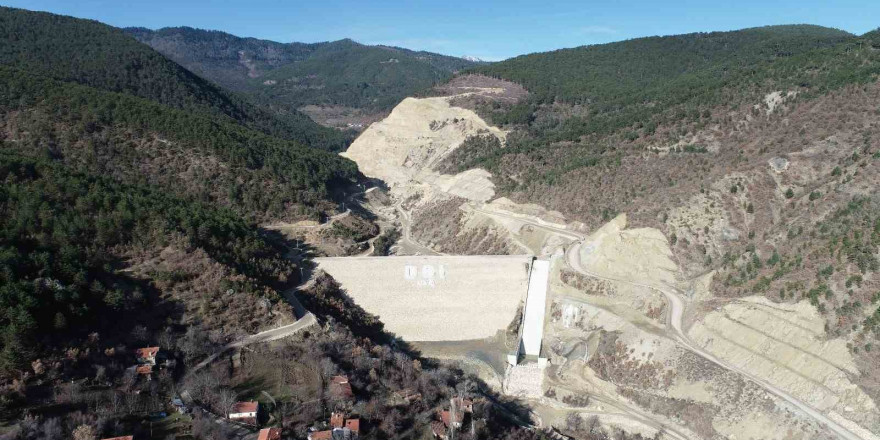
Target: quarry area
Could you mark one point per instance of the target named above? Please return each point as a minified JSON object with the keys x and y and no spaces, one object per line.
{"x":614,"y":329}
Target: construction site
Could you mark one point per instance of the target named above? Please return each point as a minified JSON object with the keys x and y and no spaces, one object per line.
{"x":582,"y":323}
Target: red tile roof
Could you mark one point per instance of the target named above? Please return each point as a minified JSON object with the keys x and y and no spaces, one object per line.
{"x":244,"y":407}
{"x":126,"y":437}
{"x":340,"y":385}
{"x":144,"y":369}
{"x":147,"y":352}
{"x":337,"y":420}
{"x":321,"y":435}
{"x":438,"y":428}
{"x":354,"y":425}
{"x":444,"y":416}
{"x":465,"y":405}
{"x":270,"y":434}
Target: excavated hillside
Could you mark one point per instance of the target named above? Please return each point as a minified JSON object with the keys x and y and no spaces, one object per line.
{"x":739,"y":301}
{"x":443,"y":211}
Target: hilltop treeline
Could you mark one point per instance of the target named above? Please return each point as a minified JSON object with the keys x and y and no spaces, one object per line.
{"x":100,"y":56}
{"x":291,"y":75}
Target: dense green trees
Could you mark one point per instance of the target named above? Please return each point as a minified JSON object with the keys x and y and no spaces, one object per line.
{"x":589,"y":101}
{"x":84,"y":107}
{"x":290,"y":75}
{"x":647,"y":81}
{"x":306,"y":171}
{"x":351,"y":74}
{"x":103,"y":57}
{"x":62,"y":235}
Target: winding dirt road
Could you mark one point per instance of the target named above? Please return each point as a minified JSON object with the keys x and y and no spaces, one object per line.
{"x":676,"y":305}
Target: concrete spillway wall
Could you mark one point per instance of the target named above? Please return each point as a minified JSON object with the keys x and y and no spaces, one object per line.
{"x":536,"y":306}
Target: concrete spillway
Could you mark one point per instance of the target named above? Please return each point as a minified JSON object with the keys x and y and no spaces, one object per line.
{"x":536,"y":306}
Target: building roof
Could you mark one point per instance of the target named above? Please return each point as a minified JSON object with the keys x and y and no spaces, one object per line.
{"x":354,"y":425}
{"x":438,"y":428}
{"x":147,"y":352}
{"x":337,"y":420}
{"x":445,"y":417}
{"x":144,"y":369}
{"x":321,"y":435}
{"x":340,"y":385}
{"x":125,"y":437}
{"x":244,"y":407}
{"x":270,"y":434}
{"x":465,"y":405}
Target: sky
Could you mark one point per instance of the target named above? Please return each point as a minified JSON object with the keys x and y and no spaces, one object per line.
{"x":491,"y":30}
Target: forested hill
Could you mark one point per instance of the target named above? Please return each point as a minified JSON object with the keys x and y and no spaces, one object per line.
{"x":133,"y":187}
{"x":599,"y":106}
{"x":223,"y":58}
{"x":291,"y":75}
{"x":645,"y":66}
{"x":756,"y":152}
{"x":634,"y":80}
{"x":100,"y":56}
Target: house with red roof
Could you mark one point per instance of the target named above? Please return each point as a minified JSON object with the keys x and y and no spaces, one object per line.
{"x":320,"y":435}
{"x":337,"y":420}
{"x":340,"y":429}
{"x":245,"y":412}
{"x":144,"y":370}
{"x":125,"y":437}
{"x":147,"y":355}
{"x":353,"y":425}
{"x":269,"y":434}
{"x":340,"y":387}
{"x":439,"y":430}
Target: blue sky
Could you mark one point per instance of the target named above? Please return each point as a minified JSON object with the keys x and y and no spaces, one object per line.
{"x":490,"y":30}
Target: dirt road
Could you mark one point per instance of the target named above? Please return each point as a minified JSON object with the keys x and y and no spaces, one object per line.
{"x":676,"y":306}
{"x":406,"y":245}
{"x":265,"y":336}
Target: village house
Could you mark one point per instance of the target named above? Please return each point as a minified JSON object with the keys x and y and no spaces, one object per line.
{"x":320,"y":435}
{"x":462,"y":404}
{"x":439,"y":430}
{"x":147,"y":355}
{"x":125,"y":437}
{"x":245,"y":412}
{"x":269,"y":434}
{"x":337,"y":420}
{"x":452,"y":419}
{"x":340,"y":387}
{"x":145,"y":370}
{"x":340,"y":429}
{"x":407,"y":395}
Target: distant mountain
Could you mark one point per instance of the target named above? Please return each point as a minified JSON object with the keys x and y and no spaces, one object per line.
{"x":104,"y":57}
{"x":292,"y":75}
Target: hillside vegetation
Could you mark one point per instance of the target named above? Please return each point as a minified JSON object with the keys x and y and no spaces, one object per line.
{"x":123,"y":173}
{"x":598,"y":104}
{"x":292,"y":75}
{"x":757,"y":152}
{"x":103,"y":57}
{"x":65,"y":235}
{"x":130,"y":207}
